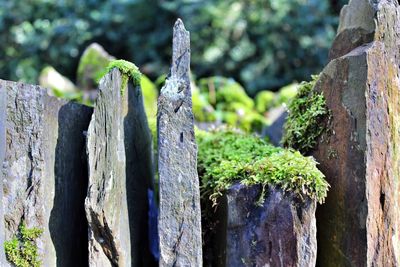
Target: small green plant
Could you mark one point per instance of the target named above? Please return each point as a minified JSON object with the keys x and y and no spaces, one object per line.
{"x":22,"y":250}
{"x":306,"y":116}
{"x":226,"y":157}
{"x":128,"y":71}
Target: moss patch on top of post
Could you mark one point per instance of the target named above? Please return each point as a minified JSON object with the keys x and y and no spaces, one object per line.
{"x":306,"y":115}
{"x":128,"y":71}
{"x":226,"y":157}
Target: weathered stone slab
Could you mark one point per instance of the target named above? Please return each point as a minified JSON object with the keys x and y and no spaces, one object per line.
{"x":359,"y":225}
{"x":3,"y":108}
{"x":281,"y":231}
{"x":44,"y":174}
{"x":180,"y":216}
{"x":106,"y":201}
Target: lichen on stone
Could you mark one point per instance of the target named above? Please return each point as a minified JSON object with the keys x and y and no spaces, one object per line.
{"x":227,"y":156}
{"x":22,"y":250}
{"x":128,"y":70}
{"x":307,"y":114}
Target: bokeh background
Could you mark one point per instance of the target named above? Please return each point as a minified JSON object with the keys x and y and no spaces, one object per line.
{"x":248,"y":56}
{"x":262,"y":44}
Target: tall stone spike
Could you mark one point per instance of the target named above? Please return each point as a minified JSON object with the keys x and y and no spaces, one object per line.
{"x":180,"y":216}
{"x":106,"y":202}
{"x":359,"y":225}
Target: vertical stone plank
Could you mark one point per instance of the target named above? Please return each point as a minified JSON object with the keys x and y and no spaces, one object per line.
{"x":3,"y":107}
{"x":44,"y":174}
{"x":359,"y":225}
{"x":180,"y":216}
{"x":106,"y":201}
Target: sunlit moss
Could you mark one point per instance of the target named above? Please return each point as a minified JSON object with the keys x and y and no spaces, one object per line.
{"x":306,"y":115}
{"x":226,"y":157}
{"x":150,"y":94}
{"x":91,"y":66}
{"x":128,"y":70}
{"x":265,"y":100}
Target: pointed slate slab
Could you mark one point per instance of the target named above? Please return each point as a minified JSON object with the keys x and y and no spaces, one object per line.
{"x":180,"y":216}
{"x":106,"y":201}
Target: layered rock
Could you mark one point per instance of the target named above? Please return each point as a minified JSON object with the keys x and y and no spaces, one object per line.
{"x":180,"y":216}
{"x":3,"y":108}
{"x":44,"y":172}
{"x":359,"y":225}
{"x":106,"y":202}
{"x":120,"y":176}
{"x":279,"y":231}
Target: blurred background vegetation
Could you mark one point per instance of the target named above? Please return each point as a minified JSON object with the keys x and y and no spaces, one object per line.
{"x":262,"y":44}
{"x":247,"y":55}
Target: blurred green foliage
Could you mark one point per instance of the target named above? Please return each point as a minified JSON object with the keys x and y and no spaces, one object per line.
{"x":261,"y":44}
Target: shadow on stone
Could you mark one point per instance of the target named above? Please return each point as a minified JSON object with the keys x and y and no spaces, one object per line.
{"x":67,"y":224}
{"x":139,"y":178}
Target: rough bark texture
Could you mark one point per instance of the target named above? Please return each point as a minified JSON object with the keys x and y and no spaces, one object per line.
{"x":106,"y":202}
{"x":360,"y":222}
{"x":44,"y":177}
{"x":279,"y":232}
{"x":180,"y":216}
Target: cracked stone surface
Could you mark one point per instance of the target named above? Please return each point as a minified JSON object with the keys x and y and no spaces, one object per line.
{"x":3,"y":109}
{"x":180,"y":215}
{"x":359,"y":225}
{"x":279,"y":232}
{"x":44,"y":175}
{"x":120,"y":177}
{"x":106,"y":201}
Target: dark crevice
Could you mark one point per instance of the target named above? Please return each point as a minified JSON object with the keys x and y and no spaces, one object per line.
{"x":68,"y":225}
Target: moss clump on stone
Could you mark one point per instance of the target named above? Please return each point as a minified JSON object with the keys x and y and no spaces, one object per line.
{"x":306,"y":115}
{"x":226,"y":157}
{"x":91,"y":66}
{"x":22,"y":250}
{"x":128,"y":70}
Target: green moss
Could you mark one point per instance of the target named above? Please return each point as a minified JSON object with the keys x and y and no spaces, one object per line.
{"x":230,"y":102}
{"x":150,"y":95}
{"x":202,"y":110}
{"x":265,"y":100}
{"x":128,"y":70}
{"x":305,"y":121}
{"x":21,"y":250}
{"x":91,"y":66}
{"x":232,"y":92}
{"x":226,"y":157}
